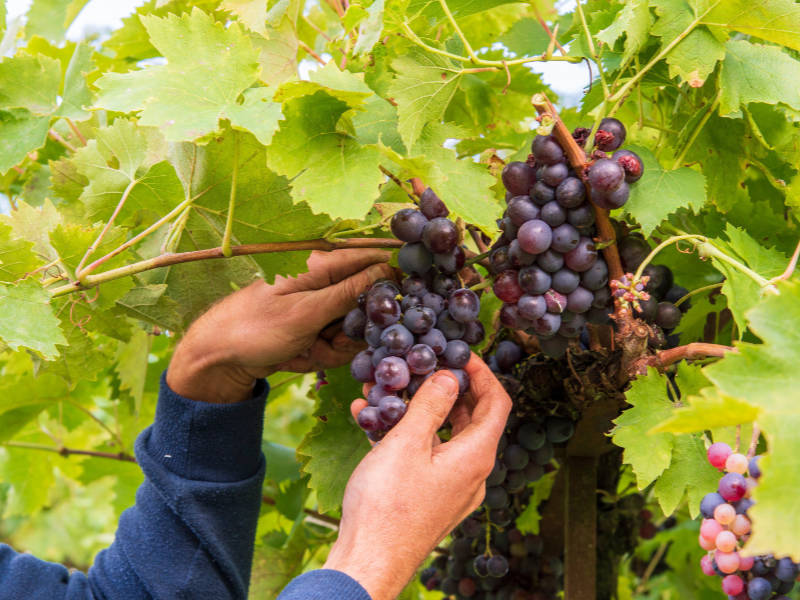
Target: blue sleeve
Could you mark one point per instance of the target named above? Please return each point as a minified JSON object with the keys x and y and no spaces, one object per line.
{"x":324,"y":584}
{"x":192,"y":530}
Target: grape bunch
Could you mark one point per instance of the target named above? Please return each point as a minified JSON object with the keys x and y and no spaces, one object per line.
{"x":489,"y":558}
{"x":609,"y":178}
{"x":426,"y":323}
{"x":726,"y":526}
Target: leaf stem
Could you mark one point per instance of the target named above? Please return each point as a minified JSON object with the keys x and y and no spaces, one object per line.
{"x":664,"y":358}
{"x":592,"y":49}
{"x":63,"y":451}
{"x":669,"y":241}
{"x":486,"y":283}
{"x":76,"y":131}
{"x":53,"y":134}
{"x":698,"y":128}
{"x":476,"y":259}
{"x":226,"y":238}
{"x":459,"y":33}
{"x":700,"y":290}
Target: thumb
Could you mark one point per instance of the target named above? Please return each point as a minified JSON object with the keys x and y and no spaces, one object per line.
{"x":336,"y":300}
{"x":429,"y":408}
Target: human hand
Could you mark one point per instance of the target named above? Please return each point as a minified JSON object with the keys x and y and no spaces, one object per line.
{"x":411,"y":490}
{"x":266,"y":328}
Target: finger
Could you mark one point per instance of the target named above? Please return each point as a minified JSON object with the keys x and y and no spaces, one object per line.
{"x":321,"y":355}
{"x":492,"y":406}
{"x":337,"y":300}
{"x":429,"y":408}
{"x":341,"y":264}
{"x":460,"y":417}
{"x":346,"y":344}
{"x":356,"y":406}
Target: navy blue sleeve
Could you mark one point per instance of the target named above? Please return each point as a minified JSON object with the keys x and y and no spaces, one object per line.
{"x":192,"y":530}
{"x":324,"y":584}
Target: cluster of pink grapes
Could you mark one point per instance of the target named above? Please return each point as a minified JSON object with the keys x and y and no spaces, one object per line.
{"x":726,"y":526}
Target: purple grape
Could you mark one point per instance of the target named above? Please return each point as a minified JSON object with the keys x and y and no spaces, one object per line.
{"x":542,"y":193}
{"x":463,"y":380}
{"x":383,"y":311}
{"x":610,"y":134}
{"x":647,"y":309}
{"x":579,"y":300}
{"x":596,"y":276}
{"x":508,"y":227}
{"x":535,"y":236}
{"x":518,"y":257}
{"x":391,"y":409}
{"x":518,"y":177}
{"x":553,"y":175}
{"x":452,"y":329}
{"x":407,"y":225}
{"x":521,"y":209}
{"x":369,"y":419}
{"x":414,"y":258}
{"x":499,"y":260}
{"x":616,"y":198}
{"x":392,"y":373}
{"x":565,"y":281}
{"x":414,"y":285}
{"x":550,"y":260}
{"x":440,"y":235}
{"x":546,"y":150}
{"x":732,"y":487}
{"x":709,"y":502}
{"x":375,"y":394}
{"x":510,"y":317}
{"x":421,"y":359}
{"x":409,"y":302}
{"x":433,"y":301}
{"x":372,"y":334}
{"x":397,"y":339}
{"x":599,"y":316}
{"x":570,"y":192}
{"x":534,"y":281}
{"x":444,"y":285}
{"x":379,"y":354}
{"x":668,"y":315}
{"x":605,"y":175}
{"x":382,"y":289}
{"x":354,"y":324}
{"x":630,"y":163}
{"x":583,"y":256}
{"x":473,"y":333}
{"x":415,"y":383}
{"x":506,"y":286}
{"x":661,"y":280}
{"x":553,"y":214}
{"x":565,"y":238}
{"x":464,"y":305}
{"x":452,"y":262}
{"x":531,"y":307}
{"x":633,"y":249}
{"x":547,"y":325}
{"x":572,"y":328}
{"x":556,"y":302}
{"x":434,"y":339}
{"x":508,"y":354}
{"x":431,"y":206}
{"x":602,"y":298}
{"x":361,"y":367}
{"x":419,"y":319}
{"x":555,"y":346}
{"x":456,"y":354}
{"x":675,"y":293}
{"x":580,"y":217}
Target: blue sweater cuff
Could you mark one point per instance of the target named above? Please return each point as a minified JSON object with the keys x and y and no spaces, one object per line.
{"x":208,"y":442}
{"x":324,"y":584}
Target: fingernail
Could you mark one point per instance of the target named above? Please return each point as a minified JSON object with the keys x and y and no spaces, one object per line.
{"x":447,"y":383}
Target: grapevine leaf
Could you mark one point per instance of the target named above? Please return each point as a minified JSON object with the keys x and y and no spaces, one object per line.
{"x":709,"y":410}
{"x":276,"y":564}
{"x":634,"y":20}
{"x":76,"y":95}
{"x":648,"y":453}
{"x":37,"y":80}
{"x":34,"y":224}
{"x":131,"y":365}
{"x":330,"y":171}
{"x":689,"y":472}
{"x":22,"y":133}
{"x":16,"y":255}
{"x":765,"y":375}
{"x":424,"y":86}
{"x":369,"y":31}
{"x":459,"y":8}
{"x":526,"y":37}
{"x":529,"y":519}
{"x":208,"y":68}
{"x":277,"y":53}
{"x":335,"y":446}
{"x":27,"y":320}
{"x":679,"y":188}
{"x":126,"y":477}
{"x":757,"y":73}
{"x":52,"y":18}
{"x":282,"y":463}
{"x":252,"y":13}
{"x":342,"y":85}
{"x":30,"y":473}
{"x":776,"y":21}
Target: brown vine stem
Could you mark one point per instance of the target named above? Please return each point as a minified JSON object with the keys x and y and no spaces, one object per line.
{"x":476,"y":237}
{"x":53,"y":134}
{"x":790,"y":267}
{"x":401,"y":184}
{"x":226,"y":239}
{"x":751,"y":450}
{"x":310,"y":52}
{"x":664,"y":358}
{"x":166,"y":260}
{"x":76,"y":131}
{"x":71,"y":451}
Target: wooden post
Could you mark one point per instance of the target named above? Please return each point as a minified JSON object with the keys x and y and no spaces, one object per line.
{"x":580,"y":528}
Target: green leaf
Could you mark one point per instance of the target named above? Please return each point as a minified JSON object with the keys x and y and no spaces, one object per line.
{"x":369,"y":31}
{"x":76,"y":96}
{"x":765,"y":375}
{"x":30,"y":473}
{"x":710,"y":410}
{"x":776,"y":21}
{"x":459,"y":8}
{"x":526,"y":37}
{"x":22,"y":133}
{"x":252,"y":13}
{"x":126,"y":478}
{"x":330,"y":171}
{"x":282,"y":463}
{"x":690,"y":473}
{"x":332,"y":450}
{"x":274,"y":566}
{"x":678,"y":188}
{"x":424,"y":86}
{"x":529,"y":519}
{"x":27,"y":320}
{"x":208,"y":68}
{"x":16,"y":256}
{"x":757,"y":73}
{"x":52,"y":18}
{"x":648,"y":453}
{"x":37,"y":81}
{"x":634,"y":21}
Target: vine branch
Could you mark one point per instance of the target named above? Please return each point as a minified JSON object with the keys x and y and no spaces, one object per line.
{"x":226,"y":239}
{"x":665,"y":358}
{"x":65,"y":452}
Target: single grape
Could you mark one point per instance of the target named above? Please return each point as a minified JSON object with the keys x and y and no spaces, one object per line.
{"x":605,"y":175}
{"x":531,"y":436}
{"x":518,"y":177}
{"x":407,"y":225}
{"x":444,"y":285}
{"x":419,"y":320}
{"x":413,"y":285}
{"x":397,"y":339}
{"x":379,"y":354}
{"x":498,"y":474}
{"x":579,"y":300}
{"x":497,"y":566}
{"x":515,"y":482}
{"x":464,"y":305}
{"x":758,"y":588}
{"x":480,"y":565}
{"x":550,"y":261}
{"x":414,"y":258}
{"x":726,"y":541}
{"x":596,"y":276}
{"x":473,"y":333}
{"x":375,"y":394}
{"x":559,"y":429}
{"x":724,"y":514}
{"x":508,"y":354}
{"x":633,"y":249}
{"x":440,"y":235}
{"x":556,"y":302}
{"x":498,"y":259}
{"x":660,"y":280}
{"x":450,"y":262}
{"x":630,"y":163}
{"x":518,"y":257}
{"x":456,"y":355}
{"x":361,"y":367}
{"x":409,"y":302}
{"x":521,"y":209}
{"x":727,"y":562}
{"x":535,"y":236}
{"x":534,"y":280}
{"x":433,"y":301}
{"x":718,"y":454}
{"x":507,"y":287}
{"x":531,"y":307}
{"x":431,"y":206}
{"x":732,"y":487}
{"x":754,"y":468}
{"x":354,"y":324}
{"x":566,"y":281}
{"x":610,"y":134}
{"x":452,"y":329}
{"x":544,"y":455}
{"x":510,"y":317}
{"x":434,"y":339}
{"x":743,"y":505}
{"x":667,"y":315}
{"x":463,"y":380}
{"x":675,"y":293}
{"x":583,"y":256}
{"x":573,"y":328}
{"x":616,"y":198}
{"x":541,"y":193}
{"x":391,"y":410}
{"x":710,"y":529}
{"x":570,"y":193}
{"x":709,"y":504}
{"x":392,"y":373}
{"x":467,"y":588}
{"x":553,"y":214}
{"x":786,"y":570}
{"x":602,"y":298}
{"x":553,"y":175}
{"x":414,"y":383}
{"x":369,"y":419}
{"x":508,"y":227}
{"x":647,"y":310}
{"x":515,"y":457}
{"x":741,"y":525}
{"x":733,"y":585}
{"x":372,"y":334}
{"x":546,"y":150}
{"x":548,"y":325}
{"x":421,"y":359}
{"x":581,"y":216}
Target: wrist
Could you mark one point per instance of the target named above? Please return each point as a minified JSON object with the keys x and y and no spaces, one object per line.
{"x":379,"y":576}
